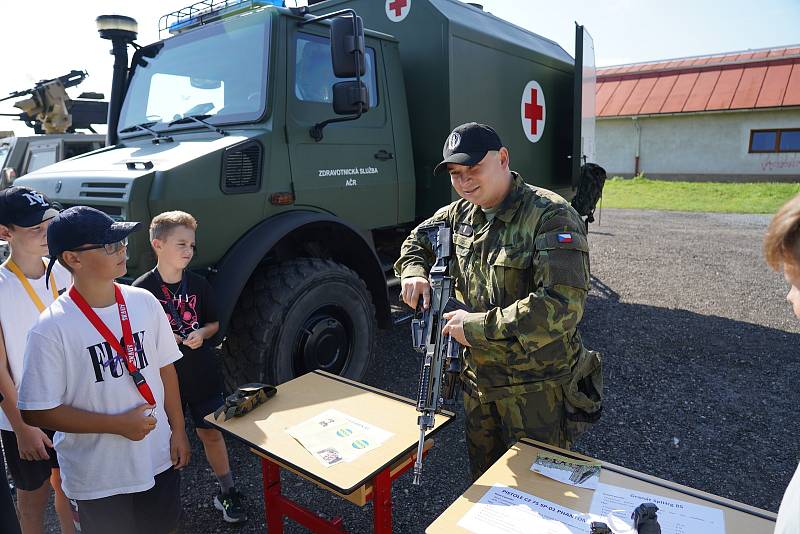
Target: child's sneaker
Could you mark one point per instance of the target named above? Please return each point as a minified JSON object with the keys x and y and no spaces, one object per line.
{"x":230,"y":504}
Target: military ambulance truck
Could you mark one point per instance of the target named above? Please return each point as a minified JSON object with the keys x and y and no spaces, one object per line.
{"x":300,"y":216}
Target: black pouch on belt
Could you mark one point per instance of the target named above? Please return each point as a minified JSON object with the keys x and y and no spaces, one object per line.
{"x":583,"y":394}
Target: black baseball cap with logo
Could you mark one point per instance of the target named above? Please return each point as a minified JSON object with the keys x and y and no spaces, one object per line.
{"x":83,"y":225}
{"x":24,"y":207}
{"x":468,"y":144}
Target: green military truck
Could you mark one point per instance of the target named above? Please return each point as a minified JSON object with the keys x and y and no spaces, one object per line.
{"x":300,"y":219}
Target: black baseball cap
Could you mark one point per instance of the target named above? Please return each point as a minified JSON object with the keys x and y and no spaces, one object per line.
{"x":24,"y":207}
{"x":81,"y":225}
{"x":468,"y":144}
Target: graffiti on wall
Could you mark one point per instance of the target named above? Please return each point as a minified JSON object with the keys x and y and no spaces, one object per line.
{"x":773,"y":163}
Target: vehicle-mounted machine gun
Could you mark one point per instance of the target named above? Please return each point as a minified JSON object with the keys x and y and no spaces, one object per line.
{"x":440,"y":361}
{"x":48,"y":109}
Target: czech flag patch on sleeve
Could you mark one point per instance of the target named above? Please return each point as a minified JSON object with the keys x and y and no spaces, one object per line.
{"x":565,"y":237}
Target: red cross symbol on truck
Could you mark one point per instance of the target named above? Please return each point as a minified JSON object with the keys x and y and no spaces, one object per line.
{"x":397,"y":6}
{"x":533,"y":111}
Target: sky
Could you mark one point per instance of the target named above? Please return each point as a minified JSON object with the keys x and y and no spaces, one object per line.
{"x":624,"y":31}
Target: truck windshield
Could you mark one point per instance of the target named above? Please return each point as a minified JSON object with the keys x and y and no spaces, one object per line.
{"x":219,"y":70}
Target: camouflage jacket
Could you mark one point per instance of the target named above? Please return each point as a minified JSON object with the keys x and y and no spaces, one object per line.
{"x":525,"y":276}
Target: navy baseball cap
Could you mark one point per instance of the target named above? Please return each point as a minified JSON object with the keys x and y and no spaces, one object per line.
{"x":24,"y":207}
{"x":81,"y":225}
{"x":468,"y":144}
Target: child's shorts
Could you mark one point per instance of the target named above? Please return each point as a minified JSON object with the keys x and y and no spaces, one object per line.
{"x":157,"y":510}
{"x":202,"y":408}
{"x":28,"y":475}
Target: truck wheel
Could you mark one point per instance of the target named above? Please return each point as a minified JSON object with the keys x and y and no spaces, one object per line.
{"x":298,"y":316}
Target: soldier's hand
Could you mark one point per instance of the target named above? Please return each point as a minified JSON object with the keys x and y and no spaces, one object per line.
{"x":411,"y":290}
{"x":455,"y":326}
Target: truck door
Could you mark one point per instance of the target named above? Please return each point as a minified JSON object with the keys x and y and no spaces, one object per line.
{"x":351,"y":172}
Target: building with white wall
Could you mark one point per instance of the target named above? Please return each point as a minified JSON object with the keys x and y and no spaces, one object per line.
{"x":727,"y":117}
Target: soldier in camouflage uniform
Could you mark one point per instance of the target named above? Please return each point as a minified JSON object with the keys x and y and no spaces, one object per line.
{"x":521,"y":264}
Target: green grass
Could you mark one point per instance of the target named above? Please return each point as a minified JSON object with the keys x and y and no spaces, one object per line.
{"x":641,"y":193}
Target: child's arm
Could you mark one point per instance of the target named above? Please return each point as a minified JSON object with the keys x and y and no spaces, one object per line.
{"x":195,"y":339}
{"x":31,"y":441}
{"x":209,"y":319}
{"x":133,"y":424}
{"x":180,"y":451}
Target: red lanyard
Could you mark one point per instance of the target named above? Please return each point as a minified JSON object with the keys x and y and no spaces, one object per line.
{"x":127,"y":337}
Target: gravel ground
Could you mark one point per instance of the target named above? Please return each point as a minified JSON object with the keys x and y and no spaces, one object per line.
{"x":700,"y":367}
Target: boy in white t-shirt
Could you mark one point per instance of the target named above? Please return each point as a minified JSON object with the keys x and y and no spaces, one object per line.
{"x":25,"y":215}
{"x":98,"y":370}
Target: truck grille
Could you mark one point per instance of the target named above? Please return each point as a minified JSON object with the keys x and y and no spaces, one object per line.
{"x":115,"y":190}
{"x":241,"y":168}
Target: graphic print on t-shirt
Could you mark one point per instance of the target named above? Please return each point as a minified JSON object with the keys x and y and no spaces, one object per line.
{"x":105,"y":362}
{"x":186,"y":306}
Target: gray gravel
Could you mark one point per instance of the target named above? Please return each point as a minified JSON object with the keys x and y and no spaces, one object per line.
{"x":701,"y":371}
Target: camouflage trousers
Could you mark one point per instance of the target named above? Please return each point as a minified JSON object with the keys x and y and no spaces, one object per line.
{"x":493,"y":427}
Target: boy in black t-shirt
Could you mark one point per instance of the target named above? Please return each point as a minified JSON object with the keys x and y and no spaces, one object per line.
{"x":188,"y":301}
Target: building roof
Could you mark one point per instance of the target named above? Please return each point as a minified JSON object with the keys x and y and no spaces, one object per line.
{"x":767,"y":78}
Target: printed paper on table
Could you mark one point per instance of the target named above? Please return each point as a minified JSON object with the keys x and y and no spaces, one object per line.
{"x":504,"y":510}
{"x":334,"y":437}
{"x":614,"y":505}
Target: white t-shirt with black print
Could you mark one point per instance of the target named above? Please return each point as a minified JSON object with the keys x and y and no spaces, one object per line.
{"x":68,"y":362}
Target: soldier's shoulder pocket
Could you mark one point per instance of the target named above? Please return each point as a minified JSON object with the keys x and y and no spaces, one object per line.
{"x":565,"y":259}
{"x":562,"y":240}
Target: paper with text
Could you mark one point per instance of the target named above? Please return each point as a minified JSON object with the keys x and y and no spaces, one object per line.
{"x":504,"y":510}
{"x":334,"y":437}
{"x":614,"y":506}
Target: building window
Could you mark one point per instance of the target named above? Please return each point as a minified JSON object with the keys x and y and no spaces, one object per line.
{"x":775,"y":140}
{"x":790,"y":141}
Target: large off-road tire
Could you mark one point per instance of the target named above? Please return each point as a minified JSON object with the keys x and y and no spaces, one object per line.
{"x":297,"y":316}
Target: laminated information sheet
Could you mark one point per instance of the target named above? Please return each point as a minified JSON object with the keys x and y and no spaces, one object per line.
{"x":576,"y":473}
{"x":614,"y":505}
{"x":334,"y":437}
{"x":504,"y":510}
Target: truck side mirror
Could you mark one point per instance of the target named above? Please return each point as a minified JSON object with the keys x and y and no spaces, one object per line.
{"x":7,"y":177}
{"x":350,"y":97}
{"x":347,"y":48}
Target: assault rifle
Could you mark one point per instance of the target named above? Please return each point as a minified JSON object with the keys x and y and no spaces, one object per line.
{"x":440,"y":363}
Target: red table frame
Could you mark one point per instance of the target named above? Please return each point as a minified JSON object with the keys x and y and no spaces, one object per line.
{"x":278,"y":506}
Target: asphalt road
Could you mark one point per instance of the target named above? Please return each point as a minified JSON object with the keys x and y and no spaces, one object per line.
{"x":700,"y":370}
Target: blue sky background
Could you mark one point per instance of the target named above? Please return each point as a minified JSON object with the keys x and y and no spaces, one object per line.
{"x":624,"y":31}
